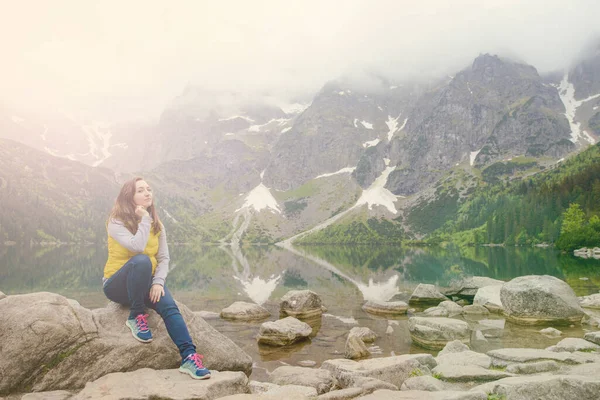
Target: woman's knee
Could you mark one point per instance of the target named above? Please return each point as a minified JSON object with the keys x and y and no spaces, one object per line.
{"x":141,"y":261}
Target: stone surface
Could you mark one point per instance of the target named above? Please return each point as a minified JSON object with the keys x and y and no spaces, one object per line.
{"x":574,"y":344}
{"x":307,"y":363}
{"x":591,"y":301}
{"x":426,"y":293}
{"x":53,"y":395}
{"x":475,"y":309}
{"x":343,"y":394}
{"x":533,"y":368}
{"x":243,"y":311}
{"x":369,"y":385}
{"x":451,"y":307}
{"x":426,"y":383}
{"x":320,"y":379}
{"x":355,"y":348}
{"x":74,"y":345}
{"x":536,"y":299}
{"x":283,"y":332}
{"x":257,"y":387}
{"x":489,"y":297}
{"x":2,"y":296}
{"x":394,"y":370}
{"x":468,"y":373}
{"x":455,"y":346}
{"x":364,"y":333}
{"x":550,"y":332}
{"x":146,"y":383}
{"x":301,"y":304}
{"x":593,"y":337}
{"x":556,"y":387}
{"x":385,"y":308}
{"x":423,"y":395}
{"x":435,"y":333}
{"x":465,"y":358}
{"x":468,"y":287}
{"x":436,"y":312}
{"x":518,"y":355}
{"x":284,"y":392}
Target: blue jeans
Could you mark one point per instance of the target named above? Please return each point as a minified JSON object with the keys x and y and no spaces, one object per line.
{"x":130,"y":286}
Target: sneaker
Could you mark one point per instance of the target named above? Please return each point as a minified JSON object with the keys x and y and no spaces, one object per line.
{"x":139,"y":328}
{"x":192,"y":365}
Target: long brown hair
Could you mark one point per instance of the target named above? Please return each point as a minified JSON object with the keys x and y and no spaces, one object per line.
{"x":124,"y":208}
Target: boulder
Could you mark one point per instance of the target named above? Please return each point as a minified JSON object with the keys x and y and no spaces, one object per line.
{"x":590,"y":320}
{"x":518,"y":355}
{"x":301,"y":304}
{"x":552,"y":332}
{"x":426,"y":383}
{"x":423,"y":395}
{"x":369,"y":385}
{"x":74,"y":345}
{"x":147,"y":383}
{"x":475,"y":309}
{"x":364,"y":333}
{"x":320,"y":379}
{"x":489,"y":297}
{"x":436,"y":312}
{"x":290,"y":391}
{"x":468,"y":373}
{"x":2,"y":296}
{"x":538,"y":299}
{"x":256,"y":387}
{"x":574,"y":344}
{"x":451,"y":307}
{"x":464,"y":358}
{"x":394,"y":370}
{"x":385,"y":307}
{"x":593,"y":337}
{"x":591,"y":301}
{"x":435,"y":333}
{"x":355,"y":348}
{"x":556,"y":387}
{"x":532,"y":368}
{"x":455,"y":346}
{"x":425,"y":293}
{"x":343,"y":394}
{"x":468,"y":287}
{"x":243,"y":311}
{"x":283,"y":332}
{"x":53,"y":395}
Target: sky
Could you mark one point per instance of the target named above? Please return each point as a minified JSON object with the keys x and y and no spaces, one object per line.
{"x":128,"y":60}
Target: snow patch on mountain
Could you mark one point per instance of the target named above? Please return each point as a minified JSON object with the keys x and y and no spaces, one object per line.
{"x":341,"y":171}
{"x":235,"y":117}
{"x":473,"y":156}
{"x":392,"y":124}
{"x":378,"y":195}
{"x":257,"y":128}
{"x":260,"y":198}
{"x":295,"y":108}
{"x":367,"y":124}
{"x":56,"y":154}
{"x":43,"y":135}
{"x":172,"y":218}
{"x":566,"y":91}
{"x":355,"y":121}
{"x":284,"y":130}
{"x":370,"y":143}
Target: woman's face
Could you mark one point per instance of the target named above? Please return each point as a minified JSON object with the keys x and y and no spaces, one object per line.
{"x":143,"y":194}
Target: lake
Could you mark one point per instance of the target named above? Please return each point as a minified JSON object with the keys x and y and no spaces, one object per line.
{"x":210,"y":278}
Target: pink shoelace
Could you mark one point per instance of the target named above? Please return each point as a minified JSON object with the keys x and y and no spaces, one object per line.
{"x":142,"y":322}
{"x":197,"y":359}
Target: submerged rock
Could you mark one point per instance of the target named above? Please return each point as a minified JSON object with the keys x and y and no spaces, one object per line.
{"x":550,"y":332}
{"x":385,"y":308}
{"x":364,"y":333}
{"x":435,"y":333}
{"x":475,"y":309}
{"x":355,"y":348}
{"x":283,"y":332}
{"x":538,"y":299}
{"x":301,"y":304}
{"x":436,"y":312}
{"x":243,"y":311}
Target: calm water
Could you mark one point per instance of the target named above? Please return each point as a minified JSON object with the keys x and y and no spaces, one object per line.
{"x":211,"y":278}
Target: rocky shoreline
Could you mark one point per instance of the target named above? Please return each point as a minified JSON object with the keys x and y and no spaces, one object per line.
{"x":52,"y":348}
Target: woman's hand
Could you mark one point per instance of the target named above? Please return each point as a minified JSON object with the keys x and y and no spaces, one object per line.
{"x":156,"y":292}
{"x":141,"y":211}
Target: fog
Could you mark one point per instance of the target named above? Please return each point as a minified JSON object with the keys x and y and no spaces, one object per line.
{"x":127,"y":60}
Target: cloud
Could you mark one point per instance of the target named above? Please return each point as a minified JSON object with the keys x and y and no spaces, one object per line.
{"x":129,"y":59}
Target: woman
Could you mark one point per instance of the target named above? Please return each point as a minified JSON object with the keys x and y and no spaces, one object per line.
{"x":137,"y":266}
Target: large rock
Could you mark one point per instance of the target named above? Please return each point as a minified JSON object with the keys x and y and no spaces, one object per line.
{"x":385,"y":308}
{"x":394,"y":370}
{"x":533,"y":368}
{"x":464,"y":358}
{"x":552,"y":332}
{"x":435,"y":333}
{"x":451,"y":307}
{"x":591,"y":301}
{"x":243,"y":311}
{"x":593,"y":337}
{"x":574,"y":344}
{"x":455,"y":346}
{"x":2,"y":296}
{"x":364,"y":333}
{"x":424,"y":395}
{"x":343,"y":394}
{"x":283,"y":332}
{"x":320,"y":379}
{"x":555,"y":387}
{"x":489,"y":297}
{"x":355,"y":348}
{"x":426,"y":293}
{"x":518,"y":355}
{"x":468,"y":287}
{"x":468,"y":373}
{"x":426,"y":382}
{"x":436,"y":312}
{"x":147,"y":383}
{"x":74,"y":345}
{"x":538,"y":299}
{"x":301,"y":304}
